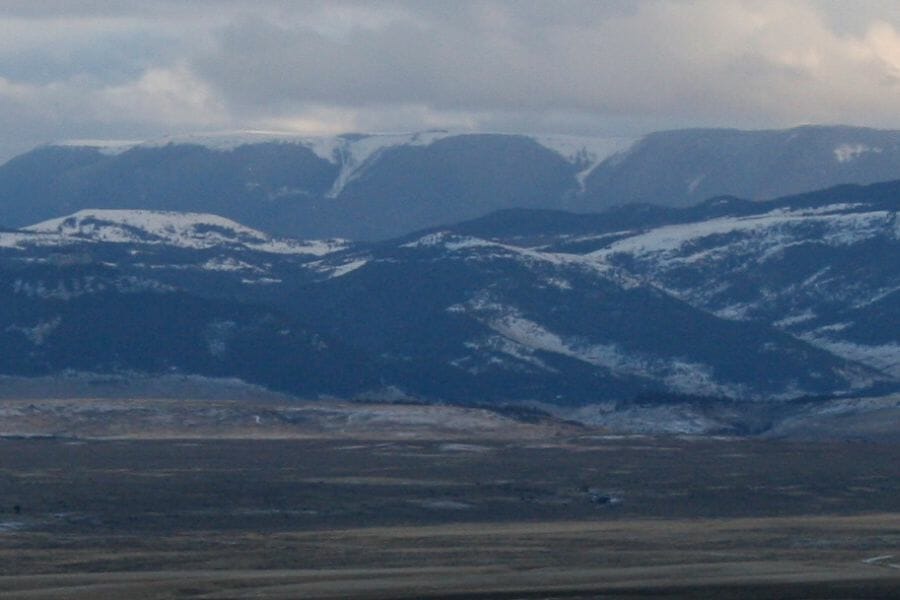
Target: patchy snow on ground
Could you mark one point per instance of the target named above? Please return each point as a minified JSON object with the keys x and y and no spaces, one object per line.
{"x":677,"y":374}
{"x":682,"y":419}
{"x":20,"y":240}
{"x":885,"y":358}
{"x":227,"y":263}
{"x":337,"y":269}
{"x":473,"y":248}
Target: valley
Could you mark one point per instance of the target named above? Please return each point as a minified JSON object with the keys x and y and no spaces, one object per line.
{"x":416,"y":513}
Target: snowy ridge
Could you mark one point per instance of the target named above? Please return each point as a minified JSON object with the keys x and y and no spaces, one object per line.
{"x":108,"y":147}
{"x":473,"y":248}
{"x":462,"y":243}
{"x":738,"y":245}
{"x":575,"y":149}
{"x":770,"y":230}
{"x":325,"y":147}
{"x":183,"y":230}
{"x":353,"y":152}
{"x":348,"y":150}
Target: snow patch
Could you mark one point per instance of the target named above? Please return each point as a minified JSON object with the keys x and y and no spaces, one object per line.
{"x":223,"y":263}
{"x":347,"y":267}
{"x":794,"y":319}
{"x":695,"y":182}
{"x":356,"y":152}
{"x":584,"y":152}
{"x":848,"y":152}
{"x":884,"y":358}
{"x":559,"y":283}
{"x":38,"y":333}
{"x":67,"y":290}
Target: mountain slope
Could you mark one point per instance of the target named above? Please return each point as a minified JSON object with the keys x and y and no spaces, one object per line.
{"x":681,"y":168}
{"x":824,"y":267}
{"x":464,"y":318}
{"x":99,"y":319}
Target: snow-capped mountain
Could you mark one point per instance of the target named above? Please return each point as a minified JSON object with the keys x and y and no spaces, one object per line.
{"x":375,"y":186}
{"x":353,"y":154}
{"x":179,"y":230}
{"x":171,"y":249}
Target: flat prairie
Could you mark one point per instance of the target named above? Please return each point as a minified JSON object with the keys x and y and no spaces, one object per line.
{"x":435,"y":508}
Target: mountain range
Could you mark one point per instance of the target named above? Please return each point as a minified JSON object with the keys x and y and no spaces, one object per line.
{"x":735,"y":300}
{"x":374,"y":187}
{"x":727,"y":315}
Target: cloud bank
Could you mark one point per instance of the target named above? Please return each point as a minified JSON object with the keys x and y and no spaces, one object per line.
{"x":76,"y":69}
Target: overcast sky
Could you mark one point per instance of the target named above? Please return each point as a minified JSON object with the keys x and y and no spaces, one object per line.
{"x":148,"y":68}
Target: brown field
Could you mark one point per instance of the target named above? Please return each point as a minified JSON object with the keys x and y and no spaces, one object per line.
{"x":425,"y":511}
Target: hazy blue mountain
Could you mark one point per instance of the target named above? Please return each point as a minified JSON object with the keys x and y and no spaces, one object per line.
{"x":374,"y":187}
{"x":246,"y":183}
{"x":360,"y":187}
{"x":681,"y":168}
{"x":455,"y":178}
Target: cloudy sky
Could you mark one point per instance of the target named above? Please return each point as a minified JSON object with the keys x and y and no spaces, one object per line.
{"x":144,"y":69}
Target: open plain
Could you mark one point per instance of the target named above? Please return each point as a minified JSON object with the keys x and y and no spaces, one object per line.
{"x":369,"y":501}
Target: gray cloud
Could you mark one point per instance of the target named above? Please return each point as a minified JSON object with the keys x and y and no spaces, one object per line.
{"x":684,"y":60}
{"x":79,"y":68}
